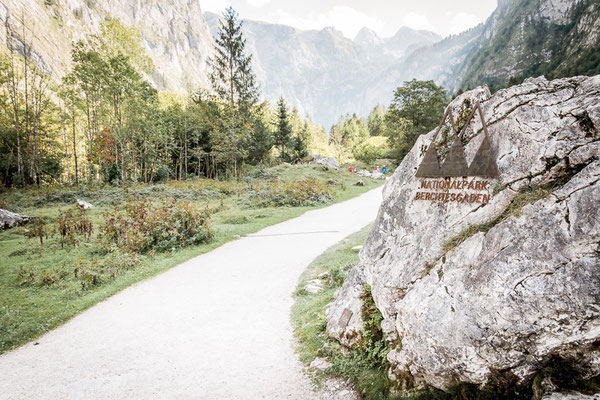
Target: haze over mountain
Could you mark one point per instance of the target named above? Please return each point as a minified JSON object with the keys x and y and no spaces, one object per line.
{"x":321,"y":72}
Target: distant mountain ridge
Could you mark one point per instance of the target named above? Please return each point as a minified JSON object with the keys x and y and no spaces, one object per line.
{"x":321,"y":72}
{"x":521,"y":38}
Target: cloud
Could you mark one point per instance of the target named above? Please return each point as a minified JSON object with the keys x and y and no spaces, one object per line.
{"x":345,"y":19}
{"x":216,"y":6}
{"x":258,"y":3}
{"x":462,"y":21}
{"x":417,"y":21}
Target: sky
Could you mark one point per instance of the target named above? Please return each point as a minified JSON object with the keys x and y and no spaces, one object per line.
{"x":385,"y":17}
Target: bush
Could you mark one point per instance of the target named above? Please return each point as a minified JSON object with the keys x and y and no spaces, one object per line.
{"x":112,"y":174}
{"x":162,"y":174}
{"x":144,"y":226}
{"x":371,"y":149}
{"x":306,"y":192}
{"x":93,"y":273}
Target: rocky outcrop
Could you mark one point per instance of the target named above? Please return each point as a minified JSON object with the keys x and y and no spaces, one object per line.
{"x":472,"y":290}
{"x":329,"y":162}
{"x":9,"y":219}
{"x":174,"y":33}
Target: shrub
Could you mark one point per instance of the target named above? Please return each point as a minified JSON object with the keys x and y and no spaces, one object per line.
{"x":37,"y":230}
{"x":26,"y":277}
{"x":91,"y":273}
{"x":66,"y":226}
{"x":144,"y":226}
{"x":371,"y":149}
{"x":51,"y":277}
{"x":162,"y":174}
{"x":305,"y":192}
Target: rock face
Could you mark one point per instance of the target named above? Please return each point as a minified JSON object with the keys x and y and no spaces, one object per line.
{"x":10,"y":219}
{"x":521,"y":289}
{"x":528,"y":38}
{"x":174,"y":33}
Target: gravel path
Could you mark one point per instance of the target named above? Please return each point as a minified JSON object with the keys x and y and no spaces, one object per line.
{"x":215,"y":327}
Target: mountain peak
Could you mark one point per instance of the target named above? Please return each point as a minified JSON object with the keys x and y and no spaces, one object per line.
{"x":367,"y":36}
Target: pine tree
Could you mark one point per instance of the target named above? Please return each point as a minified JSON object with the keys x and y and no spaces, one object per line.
{"x":283,"y":133}
{"x":231,"y":73}
{"x":299,"y":148}
{"x":261,"y":142}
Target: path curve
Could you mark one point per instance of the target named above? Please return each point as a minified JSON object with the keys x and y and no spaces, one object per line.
{"x":214,"y":327}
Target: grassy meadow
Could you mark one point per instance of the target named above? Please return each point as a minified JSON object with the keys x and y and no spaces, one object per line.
{"x":85,"y":257}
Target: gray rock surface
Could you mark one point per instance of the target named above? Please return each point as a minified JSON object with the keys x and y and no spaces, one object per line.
{"x":326,"y":161}
{"x":344,"y":318}
{"x":320,"y":364}
{"x":571,"y":396}
{"x":510,"y":298}
{"x":84,"y":204}
{"x":369,"y":174}
{"x":9,"y":219}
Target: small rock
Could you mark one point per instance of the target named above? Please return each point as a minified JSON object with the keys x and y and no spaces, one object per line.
{"x":312,"y":288}
{"x":357,"y":248}
{"x":323,"y":275}
{"x":84,"y":204}
{"x":320,"y":364}
{"x":360,"y":183}
{"x":364,"y":172}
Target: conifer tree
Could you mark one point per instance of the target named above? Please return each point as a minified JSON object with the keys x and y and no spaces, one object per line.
{"x":231,"y":73}
{"x":283,"y":133}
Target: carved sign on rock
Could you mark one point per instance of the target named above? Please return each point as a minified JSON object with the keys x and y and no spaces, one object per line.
{"x":450,"y":183}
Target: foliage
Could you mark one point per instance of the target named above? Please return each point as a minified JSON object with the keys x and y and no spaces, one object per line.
{"x":376,"y":121}
{"x":283,"y":134}
{"x":305,"y":192}
{"x":373,"y":148}
{"x":348,"y":133}
{"x":144,"y":226}
{"x":416,"y":109}
{"x":231,"y":73}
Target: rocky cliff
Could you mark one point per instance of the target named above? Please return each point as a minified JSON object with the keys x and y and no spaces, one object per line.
{"x":525,"y":38}
{"x":472,"y":290}
{"x":174,"y":33}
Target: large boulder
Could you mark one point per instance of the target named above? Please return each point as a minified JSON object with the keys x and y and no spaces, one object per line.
{"x":518,"y":286}
{"x":9,"y":219}
{"x":326,"y":161}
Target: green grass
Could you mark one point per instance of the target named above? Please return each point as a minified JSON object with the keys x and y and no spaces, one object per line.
{"x":29,"y":310}
{"x":308,"y":311}
{"x":365,"y":365}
